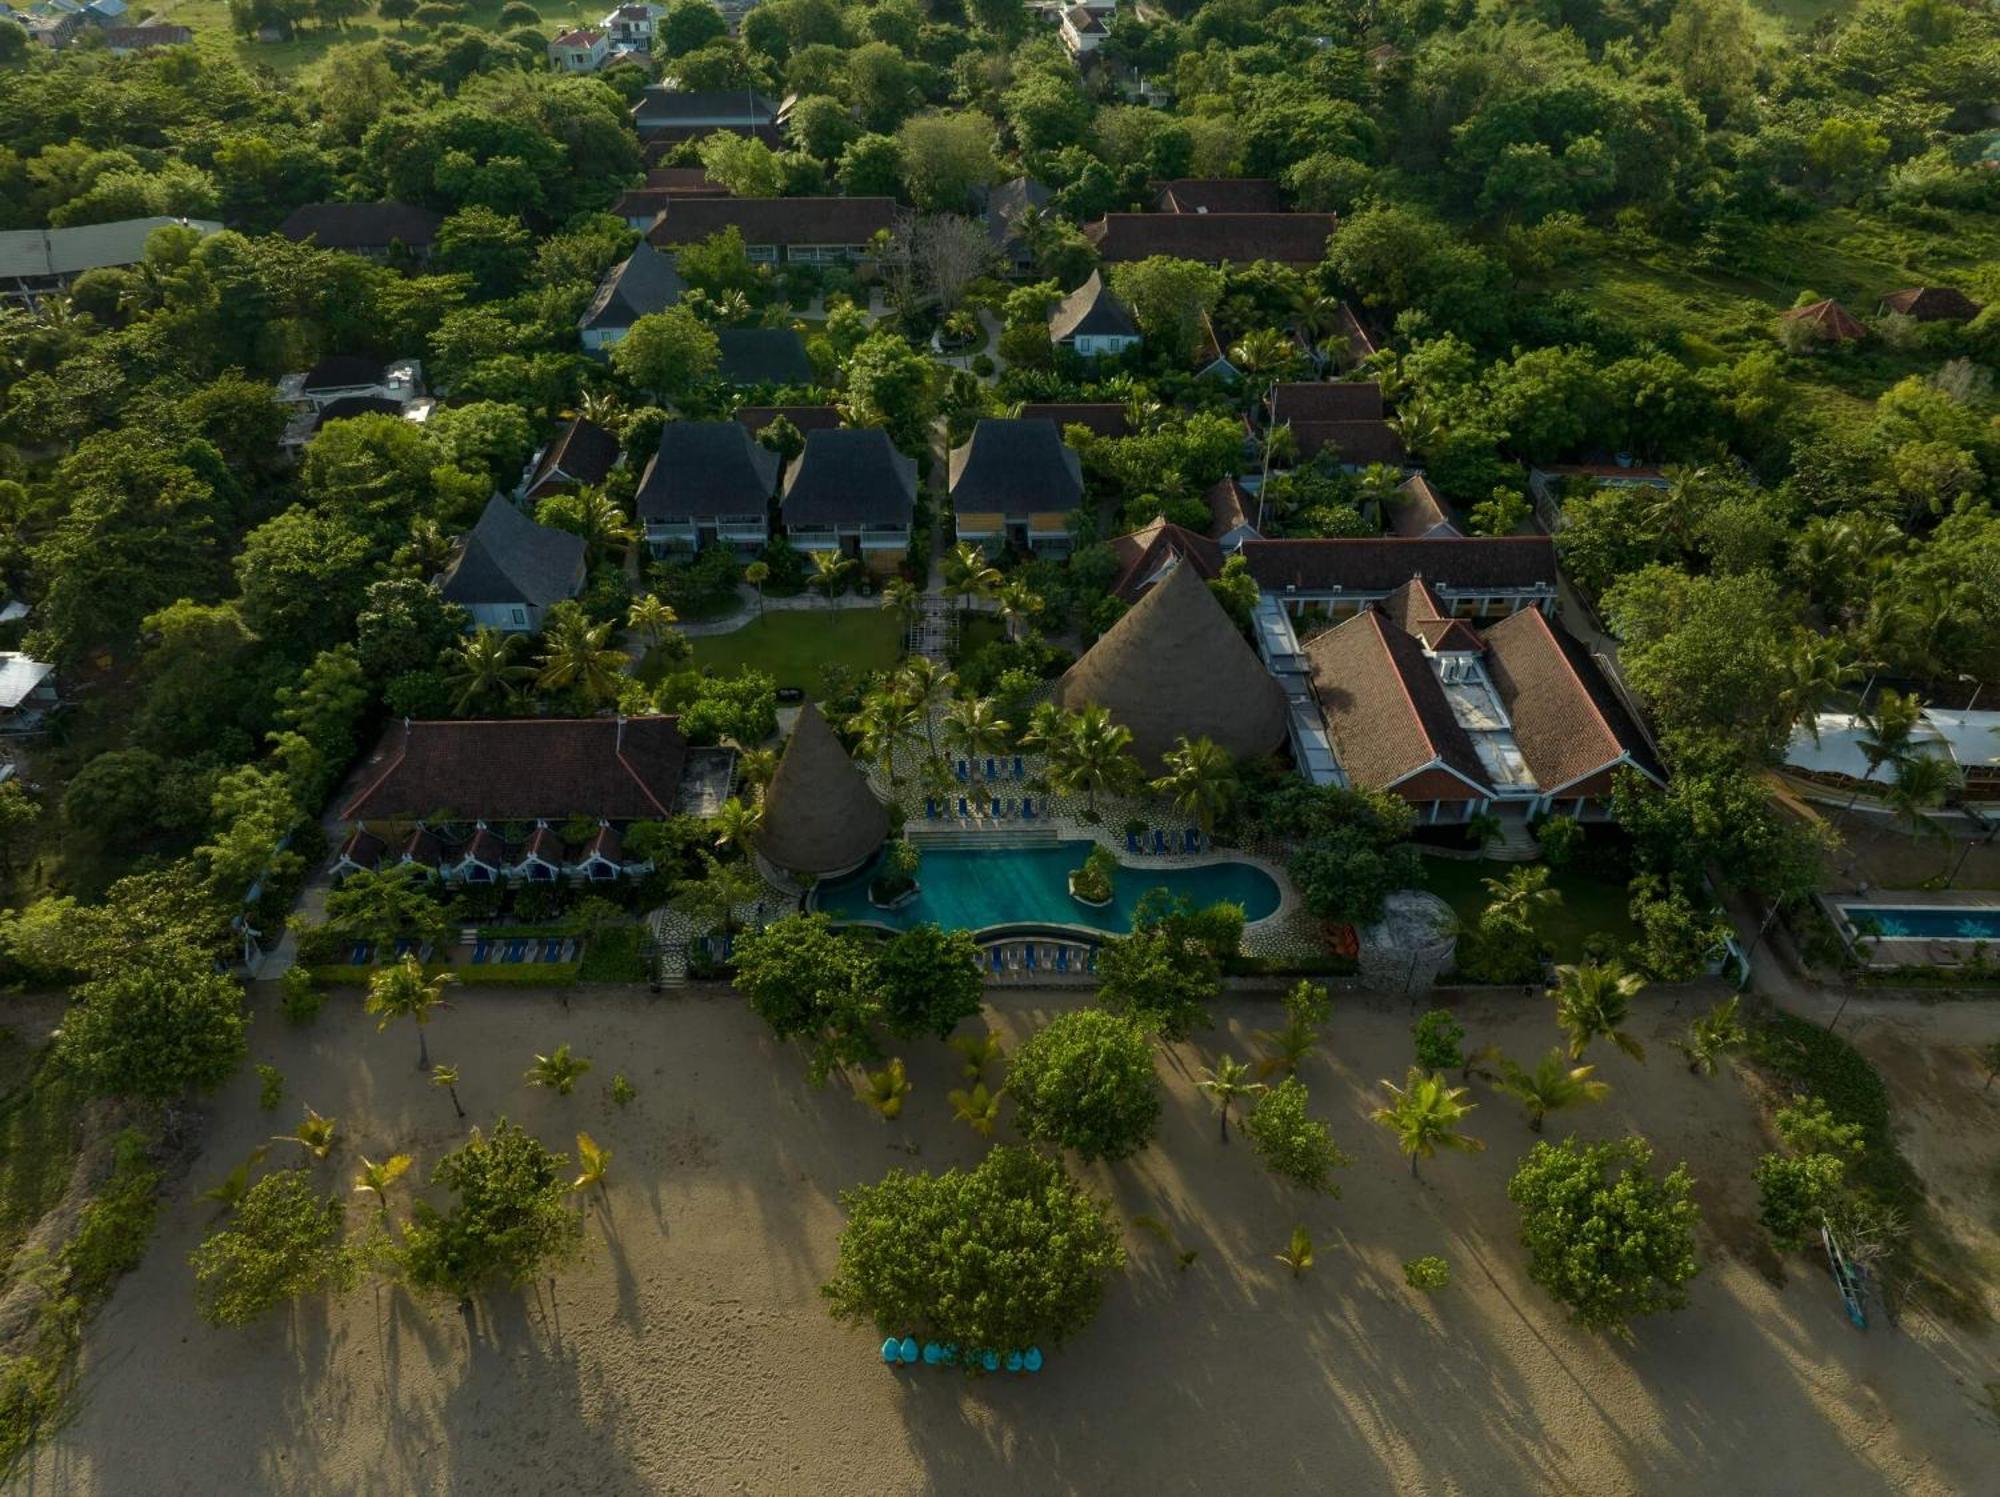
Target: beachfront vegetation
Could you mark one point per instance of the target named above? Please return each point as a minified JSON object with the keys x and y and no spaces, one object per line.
{"x":282,"y":1241}
{"x":1085,"y":1081}
{"x":1294,"y":1145}
{"x":510,"y":1219}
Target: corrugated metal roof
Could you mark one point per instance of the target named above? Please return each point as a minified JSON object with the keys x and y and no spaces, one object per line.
{"x":33,"y":254}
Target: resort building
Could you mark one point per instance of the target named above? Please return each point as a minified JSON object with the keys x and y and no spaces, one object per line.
{"x":509,"y":571}
{"x":637,"y":286}
{"x":375,"y":231}
{"x":27,"y":692}
{"x":1832,"y":756}
{"x":1552,"y":484}
{"x":342,"y":386}
{"x":665,"y":114}
{"x":582,"y":455}
{"x":1175,"y":666}
{"x":1345,"y":415}
{"x":1146,"y":556}
{"x":1230,"y":511}
{"x":710,"y":483}
{"x":1931,"y":304}
{"x":1213,"y":238}
{"x":581,"y":50}
{"x":791,"y":231}
{"x":851,"y":491}
{"x":762,"y":356}
{"x":1474,"y":576}
{"x":39,"y":262}
{"x":820,"y":817}
{"x":1006,"y":206}
{"x":1015,"y":484}
{"x":1828,"y":321}
{"x":1091,"y":321}
{"x":1418,"y":513}
{"x":1220,"y":195}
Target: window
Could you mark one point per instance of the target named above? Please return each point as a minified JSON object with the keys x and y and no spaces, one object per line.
{"x":518,"y":617}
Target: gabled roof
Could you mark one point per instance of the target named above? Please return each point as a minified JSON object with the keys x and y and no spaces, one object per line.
{"x":780,"y":221}
{"x":1347,"y":326}
{"x":762,"y":356}
{"x":1327,"y":400}
{"x":1240,"y":238}
{"x":1083,"y":21}
{"x":1830,"y":320}
{"x":1416,"y":512}
{"x":850,"y":477}
{"x":523,"y":769}
{"x":1175,"y":666}
{"x":1381,"y":564}
{"x":1008,"y":202}
{"x":353,"y":226}
{"x":1357,"y":442}
{"x":1932,"y":304}
{"x":33,"y":254}
{"x":1148,"y":554}
{"x":582,"y":36}
{"x":1228,"y":507}
{"x":1221,"y":195}
{"x":1105,"y":418}
{"x":581,"y":453}
{"x":143,"y":38}
{"x":362,"y":848}
{"x":661,"y":105}
{"x":350,"y":406}
{"x":1091,"y":311}
{"x":1568,"y":722}
{"x":820,"y":817}
{"x":1017,"y":468}
{"x":1414,"y":609}
{"x":642,"y":283}
{"x":508,"y":558}
{"x":689,"y":181}
{"x":807,"y":418}
{"x":706,"y":469}
{"x":342,"y":371}
{"x":1385,"y":707}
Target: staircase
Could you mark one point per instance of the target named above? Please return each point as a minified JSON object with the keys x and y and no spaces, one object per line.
{"x":1515,"y":844}
{"x":952,"y":834}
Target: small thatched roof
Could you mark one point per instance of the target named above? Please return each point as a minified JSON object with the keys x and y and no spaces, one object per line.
{"x":1175,"y":666}
{"x":820,"y":817}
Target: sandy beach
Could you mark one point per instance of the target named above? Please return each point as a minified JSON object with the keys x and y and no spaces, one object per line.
{"x":691,"y":1352}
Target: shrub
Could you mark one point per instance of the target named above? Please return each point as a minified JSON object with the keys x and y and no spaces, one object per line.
{"x":1293,"y":1145}
{"x":1440,"y":1041}
{"x":1085,"y":1081}
{"x":515,"y":13}
{"x":1427,"y":1273}
{"x":283,"y":1241}
{"x":300,"y":996}
{"x":1559,"y":838}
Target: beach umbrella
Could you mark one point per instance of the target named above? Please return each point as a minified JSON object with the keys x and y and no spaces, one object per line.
{"x":909,"y":1348}
{"x":990,"y":1361}
{"x":932,"y":1353}
{"x":951,"y":1354}
{"x":1013,"y":1361}
{"x":889,"y":1350}
{"x":1032,"y":1359}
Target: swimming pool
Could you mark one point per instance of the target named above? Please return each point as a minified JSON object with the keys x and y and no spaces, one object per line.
{"x":1932,"y":923}
{"x":979,"y":889}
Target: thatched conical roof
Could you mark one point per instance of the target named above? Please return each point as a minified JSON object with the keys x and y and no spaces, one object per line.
{"x":820,"y":817}
{"x":1175,"y":665}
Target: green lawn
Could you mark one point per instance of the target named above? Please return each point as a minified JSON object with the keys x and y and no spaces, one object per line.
{"x":1588,"y":904}
{"x":209,"y":21}
{"x":794,"y":646}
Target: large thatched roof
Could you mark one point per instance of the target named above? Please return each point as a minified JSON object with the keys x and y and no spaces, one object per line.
{"x":1175,"y":665}
{"x":820,"y":817}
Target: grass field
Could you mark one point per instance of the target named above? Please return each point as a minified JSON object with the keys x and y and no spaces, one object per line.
{"x":38,"y":1125}
{"x":1588,"y":905}
{"x":209,"y":20}
{"x":794,"y":646}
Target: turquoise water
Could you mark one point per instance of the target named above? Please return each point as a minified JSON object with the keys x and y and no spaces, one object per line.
{"x":1971,"y":923}
{"x":977,"y":889}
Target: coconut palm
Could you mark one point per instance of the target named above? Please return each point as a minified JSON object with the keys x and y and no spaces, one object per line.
{"x":558,"y":1071}
{"x":1094,"y":755}
{"x":974,"y":728}
{"x":1523,"y":894}
{"x":737,"y":823}
{"x":905,"y":600}
{"x":1551,"y":1086}
{"x":232,"y":1187}
{"x":1418,"y":424}
{"x":402,"y":991}
{"x":375,"y":1179}
{"x":1923,"y":783}
{"x":755,"y":767}
{"x":886,"y":722}
{"x":883,"y":1091}
{"x":599,"y":407}
{"x":1288,"y":1047}
{"x":978,"y":1108}
{"x":1425,"y":1113}
{"x":1886,"y":731}
{"x":968,"y":575}
{"x":1817,"y":670}
{"x":979,"y":1052}
{"x":314,"y":1135}
{"x":602,"y":524}
{"x":593,"y":1160}
{"x":485,"y":664}
{"x":577,"y":653}
{"x":757,"y":574}
{"x":1592,"y":1002}
{"x":925,"y":685}
{"x":447,"y":1078}
{"x":1019,"y":604}
{"x":1201,"y":778}
{"x":1712,"y":1035}
{"x":428,"y":550}
{"x":830,"y":570}
{"x":1226,"y":1082}
{"x":651,"y":618}
{"x":1298,"y":1253}
{"x":1047,"y":725}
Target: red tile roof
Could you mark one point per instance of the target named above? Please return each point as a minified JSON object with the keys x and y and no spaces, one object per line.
{"x":1568,"y":722}
{"x":1384,"y":706}
{"x":523,"y":769}
{"x":1144,"y":555}
{"x":1830,"y":320}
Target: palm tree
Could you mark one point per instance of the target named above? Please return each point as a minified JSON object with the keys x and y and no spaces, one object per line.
{"x":1817,"y":670}
{"x":232,"y":1187}
{"x":905,"y":600}
{"x":1523,"y":894}
{"x":1298,"y":1253}
{"x":1712,"y":1035}
{"x":1095,"y":754}
{"x":599,"y":407}
{"x":978,"y":1108}
{"x":558,"y":1071}
{"x":1047,"y":726}
{"x":757,"y":574}
{"x":1418,"y":424}
{"x":1885,"y":734}
{"x":375,"y":1179}
{"x":577,"y":653}
{"x":1019,"y":604}
{"x":1227,"y":1081}
{"x":968,"y":575}
{"x":1201,"y":777}
{"x":1289,"y":1046}
{"x":974,"y":728}
{"x":594,"y":1160}
{"x":651,"y":619}
{"x":428,"y":550}
{"x":923,"y":683}
{"x":755,"y":767}
{"x":1553,"y":1085}
{"x":1592,"y":1002}
{"x":1263,"y":355}
{"x":314,"y":1135}
{"x":830,"y":569}
{"x":737,"y":824}
{"x":1424,"y":1113}
{"x":883,"y":1091}
{"x":887,"y":720}
{"x":713,"y":899}
{"x":447,"y":1077}
{"x":601,"y":523}
{"x":1923,"y":782}
{"x":979,"y":1051}
{"x":403,"y":992}
{"x":484,"y":665}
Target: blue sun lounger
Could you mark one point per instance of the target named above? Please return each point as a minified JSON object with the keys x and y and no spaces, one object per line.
{"x":992,"y":773}
{"x":1131,"y":842}
{"x":1027,"y":809}
{"x":1159,"y":840}
{"x":552,"y":951}
{"x":517,"y":951}
{"x":358,"y":955}
{"x":1020,"y":773}
{"x":1191,"y":841}
{"x":480,"y":951}
{"x":963,"y":814}
{"x":959,"y":768}
{"x":930,"y":809}
{"x":1062,"y":959}
{"x":998,"y":965}
{"x":1031,"y":956}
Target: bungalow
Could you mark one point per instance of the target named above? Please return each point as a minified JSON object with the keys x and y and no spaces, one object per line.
{"x":341,"y":386}
{"x":1827,"y":321}
{"x":664,"y":111}
{"x":762,"y":356}
{"x":1083,"y":31}
{"x":1091,"y":321}
{"x":1418,"y":513}
{"x":1148,"y":555}
{"x":1102,"y":418}
{"x":631,"y":28}
{"x":581,"y":455}
{"x":1213,"y":238}
{"x":1474,"y":577}
{"x":792,"y":231}
{"x":710,"y":483}
{"x":1220,"y":195}
{"x":581,"y":50}
{"x":373,"y":230}
{"x":1007,"y":206}
{"x":1015,"y":483}
{"x":1230,"y":508}
{"x":1345,"y":415}
{"x":1931,"y":304}
{"x":509,"y":571}
{"x":27,"y":692}
{"x":641,"y":284}
{"x":851,"y":491}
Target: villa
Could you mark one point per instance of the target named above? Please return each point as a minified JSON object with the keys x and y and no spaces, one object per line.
{"x":582,"y":455}
{"x":1213,"y":238}
{"x":792,"y":231}
{"x":1014,"y":483}
{"x":342,"y":386}
{"x":643,"y":283}
{"x":372,"y":230}
{"x":1091,"y":321}
{"x":1345,"y":415}
{"x":710,"y":483}
{"x":820,"y":817}
{"x":666,"y":114}
{"x":1147,"y":555}
{"x":1474,"y":576}
{"x":762,"y":356}
{"x":1419,"y":513}
{"x":851,"y":491}
{"x":509,"y":571}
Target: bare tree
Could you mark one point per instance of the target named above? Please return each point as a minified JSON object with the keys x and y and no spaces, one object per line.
{"x":937,"y":255}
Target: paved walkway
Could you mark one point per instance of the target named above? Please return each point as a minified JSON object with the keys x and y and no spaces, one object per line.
{"x":748,"y":613}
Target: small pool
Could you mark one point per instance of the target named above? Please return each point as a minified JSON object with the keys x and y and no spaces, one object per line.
{"x":978,"y":889}
{"x":1929,"y":923}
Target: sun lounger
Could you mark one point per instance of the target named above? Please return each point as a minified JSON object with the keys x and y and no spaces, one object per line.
{"x":517,"y":951}
{"x":1031,"y":958}
{"x":552,"y":951}
{"x":994,"y":953}
{"x":357,"y":955}
{"x":958,"y":768}
{"x":1020,"y":772}
{"x":480,"y":951}
{"x":1062,"y":959}
{"x":963,"y":813}
{"x":1027,"y":809}
{"x":1191,"y":840}
{"x":1131,"y":842}
{"x":992,"y":773}
{"x":930,"y":809}
{"x":1159,"y":840}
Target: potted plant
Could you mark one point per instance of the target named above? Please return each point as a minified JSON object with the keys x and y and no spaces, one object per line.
{"x":895,"y":881}
{"x":1091,"y":884}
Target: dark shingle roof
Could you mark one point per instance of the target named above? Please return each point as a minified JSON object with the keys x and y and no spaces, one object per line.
{"x":693,"y":181}
{"x":819,"y":814}
{"x":524,"y":769}
{"x":783,"y":221}
{"x":807,"y":418}
{"x":660,"y":105}
{"x":359,"y":405}
{"x":1228,"y":507}
{"x":1007,"y":203}
{"x":1384,"y":706}
{"x":850,"y":478}
{"x":1359,"y":442}
{"x":1567,"y":720}
{"x":1091,"y":310}
{"x":1383,"y":564}
{"x":1240,"y":238}
{"x":763,"y":356}
{"x":1829,"y":320}
{"x":508,"y":558}
{"x":1016,"y":468}
{"x":582,"y":452}
{"x":639,"y":285}
{"x":1327,"y":400}
{"x":1221,"y":195}
{"x":355,"y":226}
{"x":1416,"y":511}
{"x":1932,"y":304}
{"x":705,"y":469}
{"x":1105,"y":418}
{"x":340,"y":371}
